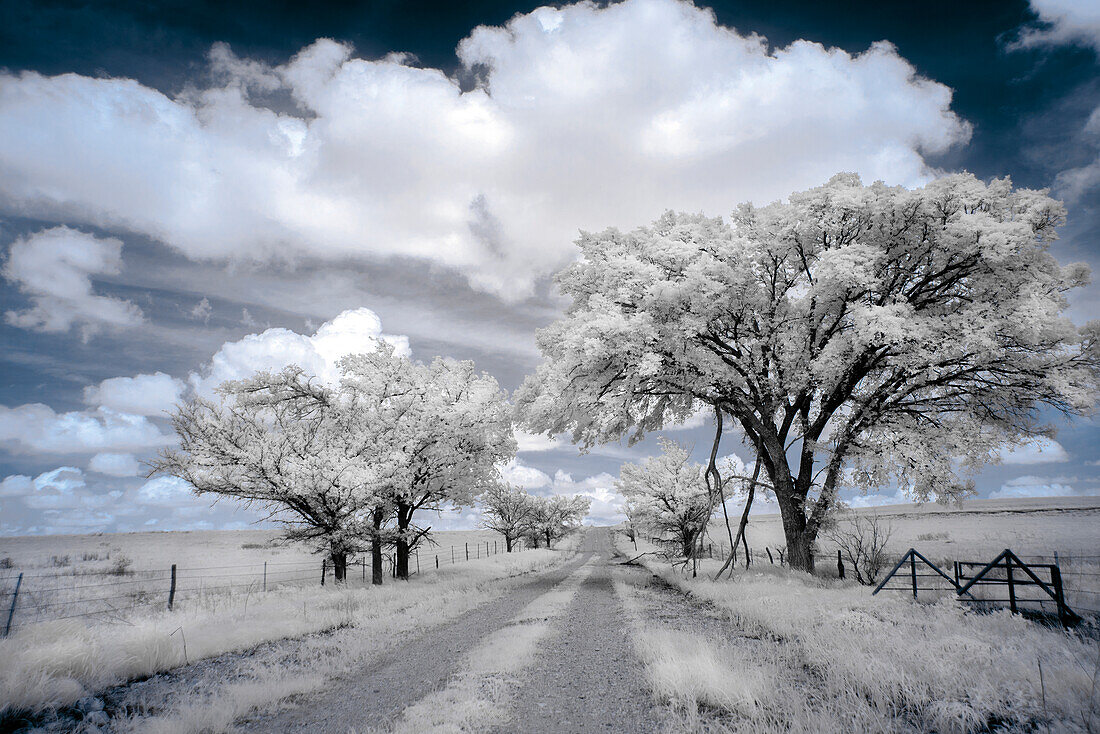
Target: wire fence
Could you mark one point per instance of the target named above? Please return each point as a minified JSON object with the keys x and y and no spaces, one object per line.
{"x":115,"y":594}
{"x":1080,"y":572}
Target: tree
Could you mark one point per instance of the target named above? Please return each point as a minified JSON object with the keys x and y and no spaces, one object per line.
{"x":451,"y":428}
{"x":300,"y":450}
{"x":555,"y":516}
{"x":508,"y":510}
{"x":857,"y":335}
{"x":669,"y":494}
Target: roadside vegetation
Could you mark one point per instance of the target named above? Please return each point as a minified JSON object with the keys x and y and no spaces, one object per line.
{"x":54,"y":664}
{"x":801,"y":652}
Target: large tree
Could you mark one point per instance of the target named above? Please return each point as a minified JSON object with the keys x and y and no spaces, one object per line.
{"x":306,"y":453}
{"x":859,"y":336}
{"x":451,"y":430}
{"x":668,"y":493}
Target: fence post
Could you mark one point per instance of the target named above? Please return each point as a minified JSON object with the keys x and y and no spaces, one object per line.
{"x":913,"y":572}
{"x":324,"y":567}
{"x":172,"y":588}
{"x":363,"y":563}
{"x":477,"y":551}
{"x":14,"y":598}
{"x":1059,"y":596}
{"x":265,"y":576}
{"x":418,"y":562}
{"x":1011,"y":585}
{"x":839,"y":563}
{"x":770,"y":559}
{"x":452,"y":555}
{"x":467,"y":551}
{"x":437,"y":561}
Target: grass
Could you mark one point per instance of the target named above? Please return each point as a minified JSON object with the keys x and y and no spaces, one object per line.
{"x":52,"y":664}
{"x":846,"y":660}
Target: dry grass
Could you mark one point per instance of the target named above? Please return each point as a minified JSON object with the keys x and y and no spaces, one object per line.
{"x":883,"y":664}
{"x":55,"y":663}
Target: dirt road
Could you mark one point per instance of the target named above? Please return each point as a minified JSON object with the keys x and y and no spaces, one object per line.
{"x":553,"y":655}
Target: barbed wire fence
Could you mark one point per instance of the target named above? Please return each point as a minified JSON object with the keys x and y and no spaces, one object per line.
{"x":115,"y":594}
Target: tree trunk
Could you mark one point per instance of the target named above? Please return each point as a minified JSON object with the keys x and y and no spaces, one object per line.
{"x":547,"y":539}
{"x":687,"y":542}
{"x":404,"y":519}
{"x":339,"y":566}
{"x":507,"y":544}
{"x":376,"y":550}
{"x":792,"y":500}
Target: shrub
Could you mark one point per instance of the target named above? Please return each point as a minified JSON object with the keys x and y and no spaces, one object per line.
{"x":7,"y":562}
{"x":60,"y":561}
{"x":862,"y":541}
{"x":121,"y":566}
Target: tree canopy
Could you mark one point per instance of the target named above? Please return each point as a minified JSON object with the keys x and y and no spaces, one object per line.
{"x":859,"y":336}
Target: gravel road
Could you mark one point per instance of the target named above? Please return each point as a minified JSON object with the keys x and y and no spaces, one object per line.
{"x":373,"y":698}
{"x":584,"y":676}
{"x":587,"y":677}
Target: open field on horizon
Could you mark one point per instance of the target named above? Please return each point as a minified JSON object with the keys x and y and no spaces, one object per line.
{"x":977,"y":528}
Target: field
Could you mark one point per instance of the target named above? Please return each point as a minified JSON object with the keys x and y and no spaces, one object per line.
{"x":1034,"y":529}
{"x":220,"y":607}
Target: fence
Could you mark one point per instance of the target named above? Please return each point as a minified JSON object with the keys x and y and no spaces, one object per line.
{"x":1007,"y":573}
{"x":30,"y":597}
{"x":1079,"y":574}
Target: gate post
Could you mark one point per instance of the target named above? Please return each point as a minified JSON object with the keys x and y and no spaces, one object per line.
{"x":913,"y":572}
{"x":1011,"y":585}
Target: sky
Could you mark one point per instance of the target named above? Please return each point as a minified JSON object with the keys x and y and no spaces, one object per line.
{"x":190,"y":191}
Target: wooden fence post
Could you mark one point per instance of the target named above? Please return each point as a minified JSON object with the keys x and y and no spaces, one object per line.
{"x":265,"y":576}
{"x":363,"y":563}
{"x":324,"y":567}
{"x":1059,"y":596}
{"x":14,"y":598}
{"x":452,"y":555}
{"x":913,"y":572}
{"x":437,"y":561}
{"x":839,"y":563}
{"x":172,"y":588}
{"x":418,"y":561}
{"x":1011,"y":585}
{"x":467,"y":551}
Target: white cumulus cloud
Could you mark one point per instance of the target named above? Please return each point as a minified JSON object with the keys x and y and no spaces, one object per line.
{"x":1038,"y":451}
{"x":585,"y":117}
{"x":1032,"y":486}
{"x":138,"y":395}
{"x":1063,"y":22}
{"x":54,"y":268}
{"x":351,"y":332}
{"x":36,"y":428}
{"x":115,"y":465}
{"x":166,"y":492}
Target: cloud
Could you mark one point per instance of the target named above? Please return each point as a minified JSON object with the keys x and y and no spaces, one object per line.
{"x":1032,"y":486}
{"x":54,"y":268}
{"x":537,"y":442}
{"x":1062,"y":22}
{"x":353,"y":331}
{"x":36,"y":428}
{"x":519,"y":474}
{"x":202,"y":310}
{"x":153,"y":394}
{"x":1039,"y":451}
{"x":16,"y":485}
{"x":115,"y":465}
{"x":620,"y":112}
{"x":606,"y":507}
{"x":166,"y":492}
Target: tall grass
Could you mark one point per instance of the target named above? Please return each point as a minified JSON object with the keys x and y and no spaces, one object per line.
{"x":53,"y":664}
{"x":885,"y":663}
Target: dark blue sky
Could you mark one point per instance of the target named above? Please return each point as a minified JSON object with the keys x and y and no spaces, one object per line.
{"x":151,"y":178}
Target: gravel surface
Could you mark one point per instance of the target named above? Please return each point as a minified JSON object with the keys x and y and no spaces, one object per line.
{"x":587,"y":677}
{"x":375,"y":696}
